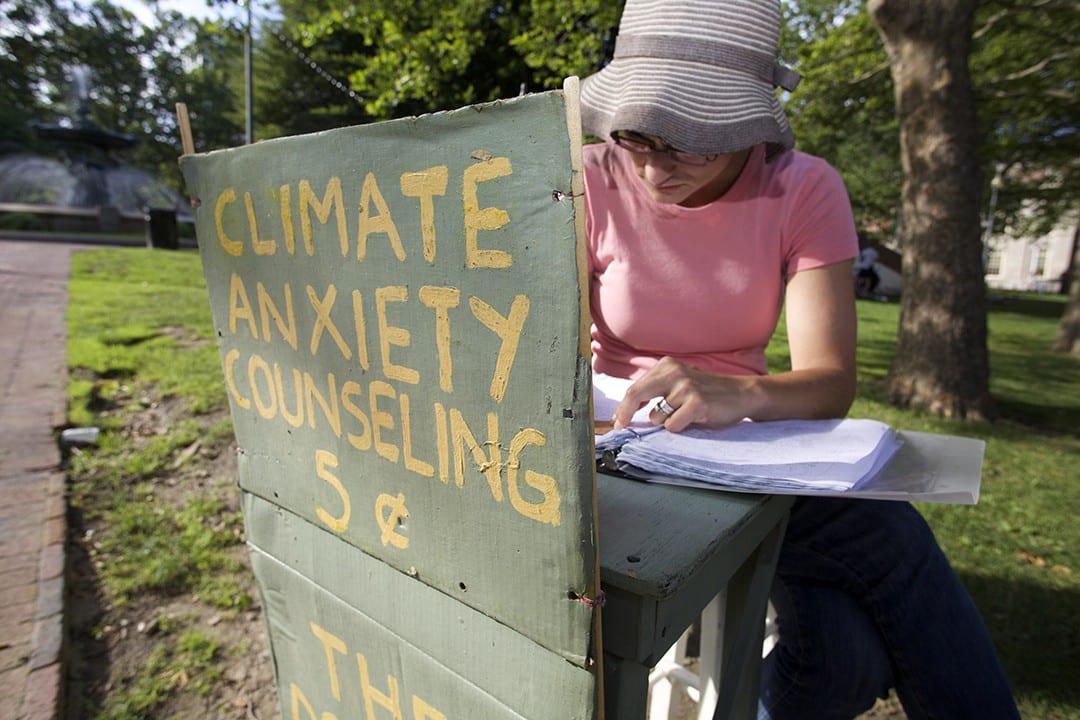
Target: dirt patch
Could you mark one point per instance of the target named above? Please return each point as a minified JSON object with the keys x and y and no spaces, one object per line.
{"x":110,"y":647}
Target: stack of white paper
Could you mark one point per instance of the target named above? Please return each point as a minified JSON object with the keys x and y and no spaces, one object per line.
{"x":849,"y":457}
{"x":785,"y":455}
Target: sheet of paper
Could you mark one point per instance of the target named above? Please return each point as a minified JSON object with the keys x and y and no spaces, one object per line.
{"x":927,"y":468}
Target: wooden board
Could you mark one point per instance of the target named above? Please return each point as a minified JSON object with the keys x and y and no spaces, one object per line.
{"x":400,"y":310}
{"x":459,"y":661}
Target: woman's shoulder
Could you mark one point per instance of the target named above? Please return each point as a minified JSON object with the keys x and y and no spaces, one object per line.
{"x":797,"y":163}
{"x":599,"y":155}
{"x":801,"y":174}
{"x":602,"y":164}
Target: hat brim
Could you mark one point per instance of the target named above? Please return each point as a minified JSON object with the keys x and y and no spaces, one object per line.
{"x":696,"y":107}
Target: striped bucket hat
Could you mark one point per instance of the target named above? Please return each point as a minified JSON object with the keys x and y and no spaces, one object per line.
{"x":701,"y":74}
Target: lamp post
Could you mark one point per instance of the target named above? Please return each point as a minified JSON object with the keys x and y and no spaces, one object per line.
{"x":249,"y":96}
{"x":988,"y":227}
{"x":995,"y":185}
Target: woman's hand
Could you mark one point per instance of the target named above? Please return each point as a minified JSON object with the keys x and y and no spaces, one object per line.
{"x":697,"y":397}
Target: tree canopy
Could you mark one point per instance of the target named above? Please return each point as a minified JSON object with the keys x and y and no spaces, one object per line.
{"x":1022,"y":62}
{"x":328,"y":63}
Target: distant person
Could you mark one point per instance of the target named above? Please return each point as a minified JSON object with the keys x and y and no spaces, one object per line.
{"x":702,"y":224}
{"x":866,"y":276}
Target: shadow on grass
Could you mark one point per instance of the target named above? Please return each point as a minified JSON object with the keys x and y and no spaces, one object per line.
{"x":1030,"y":384}
{"x":1036,"y":388}
{"x":87,"y":662}
{"x":1035,"y":630}
{"x":1049,"y":306}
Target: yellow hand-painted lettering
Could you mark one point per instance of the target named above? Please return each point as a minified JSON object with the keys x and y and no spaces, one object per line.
{"x":387,"y":423}
{"x":489,"y":218}
{"x":324,"y":461}
{"x":390,"y":335}
{"x":232,"y":247}
{"x":509,"y":331}
{"x":373,"y":214}
{"x":381,"y":222}
{"x":441,"y":299}
{"x":260,"y":246}
{"x":389,"y":700}
{"x":425,"y":185}
{"x":390,"y":511}
{"x":332,"y":200}
{"x":331,"y":644}
{"x":323,"y":321}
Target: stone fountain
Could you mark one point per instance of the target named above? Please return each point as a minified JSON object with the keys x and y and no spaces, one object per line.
{"x":86,"y":186}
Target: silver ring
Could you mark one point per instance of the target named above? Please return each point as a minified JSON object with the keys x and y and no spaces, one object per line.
{"x":662,"y":406}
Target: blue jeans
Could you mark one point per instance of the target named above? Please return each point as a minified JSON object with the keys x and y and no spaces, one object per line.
{"x":866,"y":601}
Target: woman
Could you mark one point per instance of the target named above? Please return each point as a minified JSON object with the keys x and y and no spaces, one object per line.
{"x":702,"y":223}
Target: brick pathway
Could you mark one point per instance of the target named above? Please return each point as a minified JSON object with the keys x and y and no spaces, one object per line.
{"x":33,"y":525}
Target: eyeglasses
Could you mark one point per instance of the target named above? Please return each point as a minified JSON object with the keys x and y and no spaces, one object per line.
{"x":637,"y":143}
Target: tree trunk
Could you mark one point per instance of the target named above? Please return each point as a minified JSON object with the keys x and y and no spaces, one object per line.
{"x":941,"y":360}
{"x":1068,"y":334}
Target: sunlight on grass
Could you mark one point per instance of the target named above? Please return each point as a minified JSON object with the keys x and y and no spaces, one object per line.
{"x":154,"y":549}
{"x":133,"y":311}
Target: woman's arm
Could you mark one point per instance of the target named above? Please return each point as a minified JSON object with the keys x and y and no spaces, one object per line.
{"x":820,"y":311}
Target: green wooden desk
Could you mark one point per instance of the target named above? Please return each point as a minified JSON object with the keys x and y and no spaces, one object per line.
{"x":665,"y":553}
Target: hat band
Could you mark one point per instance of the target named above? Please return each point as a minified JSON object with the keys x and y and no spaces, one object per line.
{"x":675,"y":47}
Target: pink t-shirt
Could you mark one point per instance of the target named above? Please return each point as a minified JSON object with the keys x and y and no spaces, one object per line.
{"x":704,"y":285}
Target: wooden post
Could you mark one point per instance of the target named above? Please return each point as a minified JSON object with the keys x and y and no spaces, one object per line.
{"x":184,"y":122}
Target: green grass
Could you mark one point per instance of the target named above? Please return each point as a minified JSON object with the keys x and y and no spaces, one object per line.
{"x":190,"y":660}
{"x":140,"y":319}
{"x":139,"y":325}
{"x":140,"y":339}
{"x":131,"y":312}
{"x":156,"y":549}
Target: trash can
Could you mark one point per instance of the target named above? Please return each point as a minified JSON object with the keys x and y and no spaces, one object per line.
{"x":161,"y":230}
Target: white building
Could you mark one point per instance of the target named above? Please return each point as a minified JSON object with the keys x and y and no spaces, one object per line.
{"x":1033,"y":264}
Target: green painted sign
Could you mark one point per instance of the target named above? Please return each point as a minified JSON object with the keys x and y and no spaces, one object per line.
{"x":401,"y":314}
